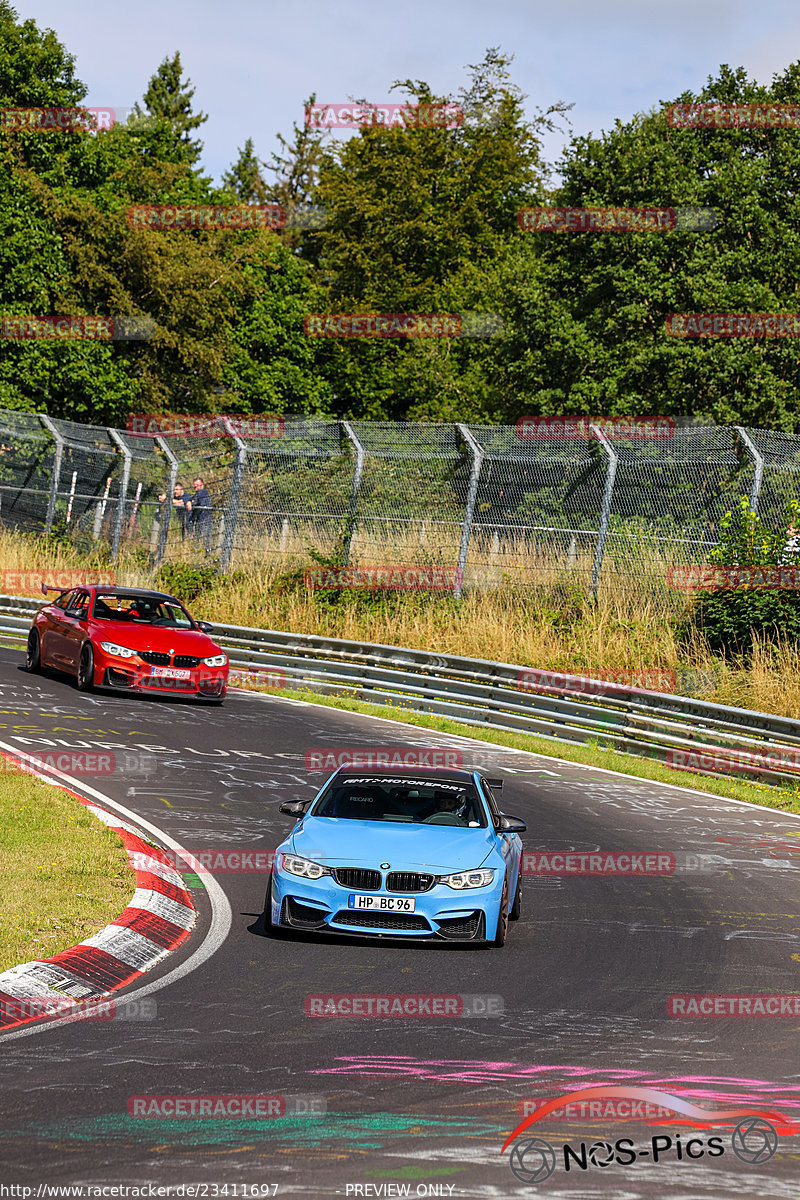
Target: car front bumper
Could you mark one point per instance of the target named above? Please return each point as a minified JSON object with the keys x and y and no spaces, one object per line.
{"x":122,"y":674}
{"x":441,"y":912}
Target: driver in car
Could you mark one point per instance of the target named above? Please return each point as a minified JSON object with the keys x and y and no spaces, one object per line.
{"x":449,"y":808}
{"x":142,"y":610}
{"x":454,"y":804}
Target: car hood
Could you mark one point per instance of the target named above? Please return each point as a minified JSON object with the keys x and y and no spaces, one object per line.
{"x":442,"y":848}
{"x":154,"y":637}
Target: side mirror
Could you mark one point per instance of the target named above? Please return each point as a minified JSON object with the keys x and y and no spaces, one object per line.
{"x":504,"y":824}
{"x":295,"y":808}
{"x":495,"y":783}
{"x":206,"y":626}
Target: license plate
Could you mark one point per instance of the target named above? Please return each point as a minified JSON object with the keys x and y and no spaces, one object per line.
{"x":382,"y":903}
{"x":171,"y":672}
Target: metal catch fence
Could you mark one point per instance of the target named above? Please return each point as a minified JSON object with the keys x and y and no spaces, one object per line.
{"x":491,"y":504}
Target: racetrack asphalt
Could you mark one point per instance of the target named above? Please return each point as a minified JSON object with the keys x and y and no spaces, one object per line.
{"x":422,"y":1104}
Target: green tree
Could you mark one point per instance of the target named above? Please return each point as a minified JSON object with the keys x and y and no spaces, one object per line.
{"x":66,"y":248}
{"x":169,"y":100}
{"x":296,"y":165}
{"x":589,"y":333}
{"x":420,"y":219}
{"x":244,"y":178}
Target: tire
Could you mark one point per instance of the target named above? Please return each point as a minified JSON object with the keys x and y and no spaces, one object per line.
{"x":516,"y":907}
{"x":502,"y":920}
{"x":33,"y":654}
{"x":86,"y":669}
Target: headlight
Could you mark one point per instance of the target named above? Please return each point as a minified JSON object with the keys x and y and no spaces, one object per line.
{"x":302,"y":867}
{"x":217,"y":660}
{"x":120,"y":651}
{"x":468,"y":879}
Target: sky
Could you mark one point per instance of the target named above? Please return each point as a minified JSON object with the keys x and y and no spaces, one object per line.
{"x":253,"y":62}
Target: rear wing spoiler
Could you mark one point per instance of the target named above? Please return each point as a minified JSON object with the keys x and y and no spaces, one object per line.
{"x":52,"y":587}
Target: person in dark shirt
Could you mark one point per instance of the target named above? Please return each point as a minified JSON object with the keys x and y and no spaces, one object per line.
{"x":182,"y":505}
{"x":201,"y":512}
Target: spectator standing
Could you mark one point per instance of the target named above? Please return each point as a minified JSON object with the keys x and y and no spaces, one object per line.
{"x":182,"y":505}
{"x":201,"y":512}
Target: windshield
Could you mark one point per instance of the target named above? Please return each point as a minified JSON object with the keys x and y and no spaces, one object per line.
{"x":413,"y":801}
{"x":140,"y":610}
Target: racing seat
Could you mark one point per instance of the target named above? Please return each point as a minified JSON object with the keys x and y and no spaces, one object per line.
{"x":102,"y":611}
{"x":359,"y":805}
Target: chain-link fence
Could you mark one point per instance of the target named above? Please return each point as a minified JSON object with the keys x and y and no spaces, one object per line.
{"x":492,"y":504}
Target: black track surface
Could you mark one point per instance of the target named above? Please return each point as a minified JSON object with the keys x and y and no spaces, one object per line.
{"x":421,"y":1104}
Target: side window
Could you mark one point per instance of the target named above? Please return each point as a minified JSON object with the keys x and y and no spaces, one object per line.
{"x":490,"y":800}
{"x":64,"y":600}
{"x":78,"y":605}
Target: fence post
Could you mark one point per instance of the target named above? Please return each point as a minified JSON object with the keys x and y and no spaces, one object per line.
{"x":355,"y":487}
{"x":232,"y":511}
{"x":758,"y":466}
{"x":166,"y":507}
{"x":127,"y":459}
{"x":469,"y":510}
{"x":59,"y":454}
{"x":605,"y":512}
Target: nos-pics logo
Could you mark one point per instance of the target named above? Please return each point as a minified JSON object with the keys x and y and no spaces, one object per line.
{"x":753,"y":1139}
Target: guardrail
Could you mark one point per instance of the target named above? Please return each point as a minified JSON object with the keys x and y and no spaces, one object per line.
{"x":479,"y":692}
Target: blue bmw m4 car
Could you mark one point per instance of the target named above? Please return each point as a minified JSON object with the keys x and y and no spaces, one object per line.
{"x":399,"y":853}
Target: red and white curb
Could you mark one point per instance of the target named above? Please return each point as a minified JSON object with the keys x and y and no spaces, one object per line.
{"x":157,"y":920}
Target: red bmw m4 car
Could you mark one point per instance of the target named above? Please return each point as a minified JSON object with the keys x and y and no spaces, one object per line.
{"x":128,"y":639}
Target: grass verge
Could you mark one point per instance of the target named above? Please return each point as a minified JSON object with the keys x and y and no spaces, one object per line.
{"x":783,"y":799}
{"x":64,"y":874}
